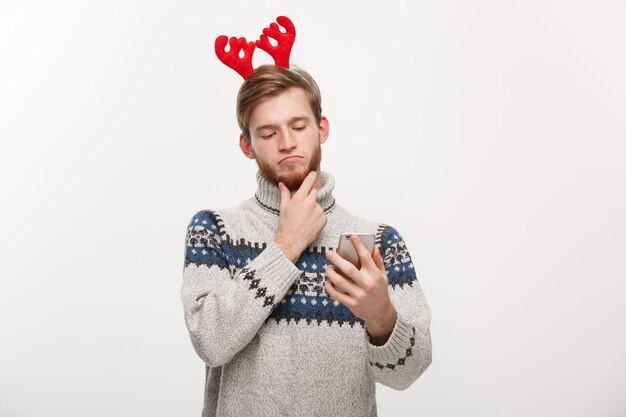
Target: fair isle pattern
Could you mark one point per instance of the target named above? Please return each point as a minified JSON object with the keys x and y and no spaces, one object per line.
{"x":208,"y":244}
{"x":307,"y":300}
{"x":398,"y":263}
{"x":402,"y":360}
{"x":313,"y":310}
{"x":261,"y":292}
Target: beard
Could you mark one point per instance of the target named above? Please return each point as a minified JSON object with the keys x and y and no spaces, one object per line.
{"x":293,"y":179}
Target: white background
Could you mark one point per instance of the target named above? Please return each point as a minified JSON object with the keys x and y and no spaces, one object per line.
{"x":491,"y":134}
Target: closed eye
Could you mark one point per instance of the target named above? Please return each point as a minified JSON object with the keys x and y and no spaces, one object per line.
{"x":268,"y":135}
{"x":300,"y":127}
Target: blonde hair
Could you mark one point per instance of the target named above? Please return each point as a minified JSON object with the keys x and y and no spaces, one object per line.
{"x":269,"y":81}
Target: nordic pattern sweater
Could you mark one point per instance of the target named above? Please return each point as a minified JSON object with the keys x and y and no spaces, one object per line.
{"x":273,"y":342}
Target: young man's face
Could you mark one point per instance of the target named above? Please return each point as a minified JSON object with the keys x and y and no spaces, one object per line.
{"x":285,"y":139}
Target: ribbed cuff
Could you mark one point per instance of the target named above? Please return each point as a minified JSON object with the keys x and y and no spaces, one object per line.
{"x":396,"y":346}
{"x":278,"y":271}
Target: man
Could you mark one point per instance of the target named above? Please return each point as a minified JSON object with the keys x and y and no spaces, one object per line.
{"x":285,"y":325}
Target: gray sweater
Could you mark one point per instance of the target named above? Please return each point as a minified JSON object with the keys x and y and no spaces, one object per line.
{"x":273,"y":342}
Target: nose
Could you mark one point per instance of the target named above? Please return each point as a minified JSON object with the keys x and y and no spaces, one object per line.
{"x":286,"y":142}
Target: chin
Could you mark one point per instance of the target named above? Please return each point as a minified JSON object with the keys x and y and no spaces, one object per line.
{"x":293,"y":180}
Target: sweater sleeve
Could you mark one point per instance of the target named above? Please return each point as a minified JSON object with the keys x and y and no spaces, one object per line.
{"x":224,"y":304}
{"x":408,"y":351}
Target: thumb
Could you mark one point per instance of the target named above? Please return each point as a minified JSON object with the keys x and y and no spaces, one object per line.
{"x":285,"y":196}
{"x":378,"y":259}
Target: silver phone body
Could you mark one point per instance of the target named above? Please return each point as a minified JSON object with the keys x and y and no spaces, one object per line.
{"x":346,"y":250}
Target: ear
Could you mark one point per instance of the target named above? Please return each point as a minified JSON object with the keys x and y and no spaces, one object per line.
{"x":246,"y":146}
{"x":324,"y":129}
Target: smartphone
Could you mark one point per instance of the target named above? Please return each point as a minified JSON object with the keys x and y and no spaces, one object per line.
{"x":346,"y":250}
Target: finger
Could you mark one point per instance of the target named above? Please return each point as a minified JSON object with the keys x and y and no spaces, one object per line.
{"x":307,"y":184}
{"x":285,"y":196}
{"x":378,"y":259}
{"x":337,"y":295}
{"x":365,"y":257}
{"x":313,"y":194}
{"x":345,"y":266}
{"x":341,"y":283}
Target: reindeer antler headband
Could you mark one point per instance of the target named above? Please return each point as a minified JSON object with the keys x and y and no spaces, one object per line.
{"x":243,"y":65}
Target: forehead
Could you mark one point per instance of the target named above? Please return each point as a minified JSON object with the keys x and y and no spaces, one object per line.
{"x":279,"y":109}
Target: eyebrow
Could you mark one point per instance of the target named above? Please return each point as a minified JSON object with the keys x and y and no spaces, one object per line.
{"x":290,"y":121}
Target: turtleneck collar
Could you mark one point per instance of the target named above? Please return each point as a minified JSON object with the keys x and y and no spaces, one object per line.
{"x":268,"y":195}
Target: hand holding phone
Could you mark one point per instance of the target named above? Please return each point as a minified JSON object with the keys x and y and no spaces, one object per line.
{"x":346,"y":250}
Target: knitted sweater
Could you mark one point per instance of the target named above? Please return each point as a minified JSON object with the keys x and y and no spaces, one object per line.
{"x":273,"y":341}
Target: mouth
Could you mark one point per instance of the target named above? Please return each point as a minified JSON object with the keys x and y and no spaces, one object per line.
{"x":290,"y":158}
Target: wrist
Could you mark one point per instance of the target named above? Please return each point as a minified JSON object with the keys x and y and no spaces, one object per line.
{"x":381,"y":328}
{"x":288,"y":249}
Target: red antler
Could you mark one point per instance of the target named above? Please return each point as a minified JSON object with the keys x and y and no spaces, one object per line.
{"x":280,"y":52}
{"x":231,"y":58}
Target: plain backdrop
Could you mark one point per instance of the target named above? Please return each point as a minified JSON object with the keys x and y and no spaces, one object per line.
{"x":491,"y":134}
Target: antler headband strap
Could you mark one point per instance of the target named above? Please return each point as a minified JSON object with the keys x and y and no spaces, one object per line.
{"x":243,"y":65}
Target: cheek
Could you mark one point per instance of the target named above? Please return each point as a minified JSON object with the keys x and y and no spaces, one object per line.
{"x":257,"y":150}
{"x":260,"y":154}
